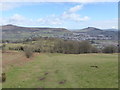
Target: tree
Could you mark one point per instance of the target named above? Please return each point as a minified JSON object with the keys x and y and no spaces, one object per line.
{"x":85,"y":47}
{"x":110,"y":49}
{"x":94,"y":50}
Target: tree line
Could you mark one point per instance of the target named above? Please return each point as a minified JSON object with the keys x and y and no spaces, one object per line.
{"x":64,"y":46}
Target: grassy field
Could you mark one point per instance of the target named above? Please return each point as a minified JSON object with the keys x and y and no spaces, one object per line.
{"x":47,"y":70}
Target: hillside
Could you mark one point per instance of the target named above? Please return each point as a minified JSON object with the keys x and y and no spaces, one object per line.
{"x":16,"y":32}
{"x":12,"y":32}
{"x":11,"y":27}
{"x":76,"y":70}
{"x":95,"y":32}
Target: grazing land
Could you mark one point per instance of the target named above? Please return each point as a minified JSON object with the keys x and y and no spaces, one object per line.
{"x":46,"y":70}
{"x":59,"y":45}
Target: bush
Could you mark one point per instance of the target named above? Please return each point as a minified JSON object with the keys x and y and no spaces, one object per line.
{"x":3,"y":77}
{"x":3,"y":48}
{"x":94,"y":50}
{"x":118,"y":48}
{"x":85,"y":47}
{"x":21,"y":48}
{"x":110,"y":49}
{"x":72,"y":47}
{"x":28,"y":51}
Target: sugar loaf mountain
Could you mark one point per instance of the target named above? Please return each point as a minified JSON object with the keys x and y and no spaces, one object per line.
{"x":13,"y":32}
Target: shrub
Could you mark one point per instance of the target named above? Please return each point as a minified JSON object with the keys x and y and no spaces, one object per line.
{"x":3,"y":48}
{"x":118,"y":48}
{"x":110,"y":49}
{"x":28,"y":51}
{"x":72,"y":47}
{"x":21,"y":48}
{"x":94,"y":50}
{"x":3,"y":77}
{"x":85,"y":47}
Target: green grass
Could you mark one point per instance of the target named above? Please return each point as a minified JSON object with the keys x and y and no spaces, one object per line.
{"x":75,"y":69}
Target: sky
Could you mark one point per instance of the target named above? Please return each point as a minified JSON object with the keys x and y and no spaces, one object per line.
{"x":70,"y":15}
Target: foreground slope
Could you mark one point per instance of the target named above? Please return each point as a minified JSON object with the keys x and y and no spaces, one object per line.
{"x":61,"y":71}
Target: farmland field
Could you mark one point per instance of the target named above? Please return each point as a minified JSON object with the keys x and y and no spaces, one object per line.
{"x":46,"y":70}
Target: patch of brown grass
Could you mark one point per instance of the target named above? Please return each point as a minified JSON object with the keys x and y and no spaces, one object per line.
{"x":11,"y":58}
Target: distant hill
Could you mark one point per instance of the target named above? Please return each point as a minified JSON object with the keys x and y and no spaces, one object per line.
{"x":17,"y":28}
{"x":13,"y":32}
{"x":16,"y":32}
{"x":89,"y":29}
{"x":95,"y":32}
{"x":111,"y":29}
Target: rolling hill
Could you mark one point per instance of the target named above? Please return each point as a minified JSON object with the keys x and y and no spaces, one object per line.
{"x":12,"y":32}
{"x":11,"y":27}
{"x":95,"y":32}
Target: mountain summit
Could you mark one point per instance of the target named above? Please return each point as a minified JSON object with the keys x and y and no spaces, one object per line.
{"x":91,"y":29}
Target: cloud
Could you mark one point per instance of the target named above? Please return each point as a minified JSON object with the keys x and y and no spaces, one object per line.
{"x":75,"y":8}
{"x":69,"y":15}
{"x":113,"y":23}
{"x":103,"y":24}
{"x":16,"y":19}
{"x":74,"y":17}
{"x":72,"y":14}
{"x":3,"y":21}
{"x":56,"y":21}
{"x":9,"y":5}
{"x":5,"y":6}
{"x":49,"y":21}
{"x":81,"y":1}
{"x":69,"y":19}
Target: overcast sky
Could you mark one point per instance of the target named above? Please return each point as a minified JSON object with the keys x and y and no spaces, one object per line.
{"x":70,"y":15}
